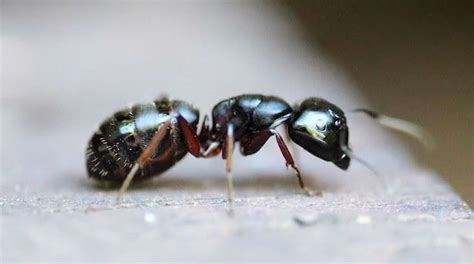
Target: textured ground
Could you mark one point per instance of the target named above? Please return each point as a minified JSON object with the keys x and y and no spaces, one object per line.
{"x":71,"y":65}
{"x":186,"y":219}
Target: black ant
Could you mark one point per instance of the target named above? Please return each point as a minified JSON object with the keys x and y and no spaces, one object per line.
{"x":147,"y":139}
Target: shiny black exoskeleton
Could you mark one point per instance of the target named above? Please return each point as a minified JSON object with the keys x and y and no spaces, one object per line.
{"x":320,"y":127}
{"x":147,"y":139}
{"x":122,"y":138}
{"x":316,"y":125}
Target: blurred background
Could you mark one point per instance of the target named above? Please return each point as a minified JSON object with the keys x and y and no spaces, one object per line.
{"x":412,"y":59}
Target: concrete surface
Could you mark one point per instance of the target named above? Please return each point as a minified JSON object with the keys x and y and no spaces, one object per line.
{"x":67,"y":66}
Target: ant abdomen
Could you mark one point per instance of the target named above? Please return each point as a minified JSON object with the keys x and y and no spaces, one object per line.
{"x":122,"y":138}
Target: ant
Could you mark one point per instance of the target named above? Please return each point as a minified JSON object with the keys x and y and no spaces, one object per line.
{"x":147,"y":139}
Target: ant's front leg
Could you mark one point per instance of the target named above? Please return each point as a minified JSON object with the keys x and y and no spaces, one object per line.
{"x":290,"y":161}
{"x":253,"y":142}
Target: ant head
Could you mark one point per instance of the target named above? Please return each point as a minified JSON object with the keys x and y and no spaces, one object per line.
{"x":227,"y":113}
{"x":320,"y":128}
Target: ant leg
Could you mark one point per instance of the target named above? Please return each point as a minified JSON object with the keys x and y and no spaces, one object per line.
{"x":403,"y":126}
{"x":290,"y":143}
{"x":204,"y":131}
{"x":190,"y":136}
{"x":213,"y":149}
{"x":228,"y":152}
{"x":144,"y":156}
{"x":289,"y":161}
{"x":210,"y":148}
{"x":253,"y":142}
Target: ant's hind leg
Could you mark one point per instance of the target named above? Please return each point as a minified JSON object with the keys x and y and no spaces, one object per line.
{"x":190,"y":137}
{"x":290,"y":161}
{"x":144,"y":156}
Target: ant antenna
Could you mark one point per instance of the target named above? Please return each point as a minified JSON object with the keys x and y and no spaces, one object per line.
{"x":403,"y":126}
{"x":348,"y":152}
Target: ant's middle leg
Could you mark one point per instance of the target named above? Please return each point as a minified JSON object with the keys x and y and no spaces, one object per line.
{"x":227,"y":154}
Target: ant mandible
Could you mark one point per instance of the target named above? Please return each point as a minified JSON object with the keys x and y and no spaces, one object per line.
{"x":147,"y":139}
